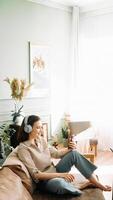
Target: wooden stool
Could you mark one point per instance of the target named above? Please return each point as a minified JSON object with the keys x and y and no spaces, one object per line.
{"x":90,"y":156}
{"x":93,"y":145}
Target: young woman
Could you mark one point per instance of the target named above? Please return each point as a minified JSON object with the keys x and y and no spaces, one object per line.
{"x":34,"y":152}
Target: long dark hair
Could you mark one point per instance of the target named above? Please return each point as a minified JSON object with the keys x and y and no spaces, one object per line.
{"x":22,"y":135}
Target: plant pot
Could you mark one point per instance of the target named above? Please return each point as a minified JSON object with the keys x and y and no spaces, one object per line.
{"x":19,"y":119}
{"x":18,"y":114}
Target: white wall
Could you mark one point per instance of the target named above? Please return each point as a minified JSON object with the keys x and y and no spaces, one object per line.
{"x":22,"y":21}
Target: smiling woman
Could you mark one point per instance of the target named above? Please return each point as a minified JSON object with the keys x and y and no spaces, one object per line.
{"x":33,"y":147}
{"x":33,"y":155}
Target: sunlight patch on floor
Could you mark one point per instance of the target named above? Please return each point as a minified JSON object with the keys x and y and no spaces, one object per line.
{"x":104,"y":169}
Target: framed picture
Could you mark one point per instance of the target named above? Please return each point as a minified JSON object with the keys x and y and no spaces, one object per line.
{"x":39,"y":69}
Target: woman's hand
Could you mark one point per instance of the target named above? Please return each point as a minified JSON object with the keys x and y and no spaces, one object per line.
{"x":72,"y":145}
{"x":68,"y":177}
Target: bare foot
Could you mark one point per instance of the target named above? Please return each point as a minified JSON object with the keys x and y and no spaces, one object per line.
{"x":95,"y":181}
{"x":106,"y":188}
{"x":86,"y":184}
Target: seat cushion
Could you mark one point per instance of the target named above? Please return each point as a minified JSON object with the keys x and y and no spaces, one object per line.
{"x":88,"y":194}
{"x":11,"y":187}
{"x":16,"y":165}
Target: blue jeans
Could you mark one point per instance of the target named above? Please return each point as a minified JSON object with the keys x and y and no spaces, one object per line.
{"x":60,"y":185}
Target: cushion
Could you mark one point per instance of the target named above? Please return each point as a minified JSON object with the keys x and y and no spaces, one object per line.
{"x":88,"y":194}
{"x":20,"y":169}
{"x":11,"y":187}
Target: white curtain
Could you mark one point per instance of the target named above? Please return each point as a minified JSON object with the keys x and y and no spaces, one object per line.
{"x":92,"y":96}
{"x":74,"y":52}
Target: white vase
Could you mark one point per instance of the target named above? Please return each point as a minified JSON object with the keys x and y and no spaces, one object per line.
{"x":18,"y":114}
{"x":19,"y":120}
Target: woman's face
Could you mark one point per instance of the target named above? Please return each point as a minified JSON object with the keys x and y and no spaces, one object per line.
{"x":36,"y":130}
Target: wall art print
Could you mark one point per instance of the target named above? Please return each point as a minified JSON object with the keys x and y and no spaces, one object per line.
{"x":39,"y":73}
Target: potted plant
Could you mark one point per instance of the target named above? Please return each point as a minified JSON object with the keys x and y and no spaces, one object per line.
{"x":17,"y":115}
{"x":5,"y":134}
{"x":65,"y":131}
{"x":18,"y":91}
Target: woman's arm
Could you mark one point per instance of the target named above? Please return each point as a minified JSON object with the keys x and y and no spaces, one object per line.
{"x":58,"y":153}
{"x":47,"y":176}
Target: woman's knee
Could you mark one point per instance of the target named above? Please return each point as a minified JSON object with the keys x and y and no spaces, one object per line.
{"x":56,"y":185}
{"x":57,"y":182}
{"x":74,"y":154}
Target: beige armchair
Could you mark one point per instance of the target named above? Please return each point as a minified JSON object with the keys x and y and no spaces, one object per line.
{"x":82,"y":128}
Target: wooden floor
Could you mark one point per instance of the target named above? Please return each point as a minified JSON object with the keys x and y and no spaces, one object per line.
{"x":104,"y":161}
{"x":104,"y":158}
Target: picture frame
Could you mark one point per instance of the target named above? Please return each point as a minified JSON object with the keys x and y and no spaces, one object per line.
{"x":39,"y":69}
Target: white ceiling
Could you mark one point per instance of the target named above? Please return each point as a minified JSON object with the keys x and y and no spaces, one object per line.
{"x":84,"y":5}
{"x":79,"y":3}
